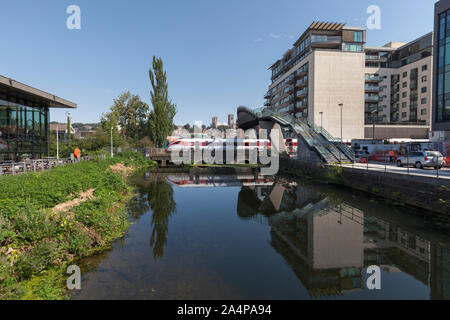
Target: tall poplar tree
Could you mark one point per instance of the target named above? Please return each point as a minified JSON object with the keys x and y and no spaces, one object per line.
{"x":160,"y":122}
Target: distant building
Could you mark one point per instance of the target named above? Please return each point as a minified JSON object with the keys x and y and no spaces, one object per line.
{"x":61,"y":130}
{"x":215,"y":122}
{"x":231,"y":123}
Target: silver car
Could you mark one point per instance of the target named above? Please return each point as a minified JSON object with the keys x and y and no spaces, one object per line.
{"x":422,"y":159}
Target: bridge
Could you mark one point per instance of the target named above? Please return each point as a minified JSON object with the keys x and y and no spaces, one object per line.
{"x":318,"y":142}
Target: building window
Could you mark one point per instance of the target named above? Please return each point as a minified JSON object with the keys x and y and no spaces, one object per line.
{"x":424,"y":79}
{"x":424,"y":89}
{"x":404,"y":105}
{"x":423,"y":112}
{"x":405,"y":74}
{"x":404,"y":95}
{"x":405,"y":84}
{"x":425,"y":67}
{"x":353,"y":47}
{"x":404,"y":115}
{"x":358,"y":36}
{"x":424,"y":101}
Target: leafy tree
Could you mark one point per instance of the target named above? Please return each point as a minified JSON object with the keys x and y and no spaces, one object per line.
{"x":108,"y":121}
{"x":160,"y":122}
{"x":130,"y":113}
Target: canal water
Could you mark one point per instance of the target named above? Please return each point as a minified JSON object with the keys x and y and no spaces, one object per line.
{"x":246,"y":237}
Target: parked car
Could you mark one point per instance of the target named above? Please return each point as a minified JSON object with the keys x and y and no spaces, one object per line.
{"x":422,"y":159}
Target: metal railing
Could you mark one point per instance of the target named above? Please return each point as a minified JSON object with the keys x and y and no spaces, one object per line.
{"x":348,"y":154}
{"x":40,"y":165}
{"x":331,"y":150}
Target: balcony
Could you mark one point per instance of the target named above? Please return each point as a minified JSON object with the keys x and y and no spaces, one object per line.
{"x":372,"y":108}
{"x":300,"y":83}
{"x":372,"y":98}
{"x":267,"y":95}
{"x":373,"y":119}
{"x":301,"y":93}
{"x":374,"y":78}
{"x":372,"y":88}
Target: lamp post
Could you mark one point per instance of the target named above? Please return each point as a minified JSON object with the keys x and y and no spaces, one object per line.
{"x":321,"y":121}
{"x":69,"y":132}
{"x":341,"y":105}
{"x":112,"y":150}
{"x":373,"y":122}
{"x":57,"y":142}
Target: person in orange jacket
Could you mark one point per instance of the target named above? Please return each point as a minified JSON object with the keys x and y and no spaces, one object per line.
{"x":77,"y":154}
{"x":391,"y":156}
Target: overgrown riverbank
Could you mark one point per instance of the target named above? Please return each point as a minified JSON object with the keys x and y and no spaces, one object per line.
{"x":50,"y":219}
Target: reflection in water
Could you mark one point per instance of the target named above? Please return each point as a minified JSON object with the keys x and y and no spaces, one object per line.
{"x":156,"y":194}
{"x":328,"y":243}
{"x":320,"y":242}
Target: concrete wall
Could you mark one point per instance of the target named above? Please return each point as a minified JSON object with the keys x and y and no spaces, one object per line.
{"x":338,"y":77}
{"x":396,"y":132}
{"x":430,"y":194}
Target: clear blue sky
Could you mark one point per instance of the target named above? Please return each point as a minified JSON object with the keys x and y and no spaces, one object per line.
{"x":216,"y":53}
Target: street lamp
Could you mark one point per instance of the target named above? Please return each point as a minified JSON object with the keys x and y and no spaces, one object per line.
{"x":373,"y":122}
{"x":112,"y":150}
{"x":321,"y":121}
{"x":341,"y":105}
{"x":69,"y":132}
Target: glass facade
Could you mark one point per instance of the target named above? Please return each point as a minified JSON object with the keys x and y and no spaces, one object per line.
{"x":24,"y":129}
{"x":443,"y":79}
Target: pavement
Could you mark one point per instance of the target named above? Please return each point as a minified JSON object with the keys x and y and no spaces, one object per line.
{"x":444,"y":173}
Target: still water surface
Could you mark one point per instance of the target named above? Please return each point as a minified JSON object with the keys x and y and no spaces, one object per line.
{"x":240,"y":237}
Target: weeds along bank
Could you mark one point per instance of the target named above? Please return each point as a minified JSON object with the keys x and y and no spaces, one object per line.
{"x":50,"y":219}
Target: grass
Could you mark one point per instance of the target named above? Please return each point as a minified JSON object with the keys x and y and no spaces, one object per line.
{"x":37,"y":245}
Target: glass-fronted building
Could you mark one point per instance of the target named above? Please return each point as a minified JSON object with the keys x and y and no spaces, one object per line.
{"x":441,"y":105}
{"x":24,"y":120}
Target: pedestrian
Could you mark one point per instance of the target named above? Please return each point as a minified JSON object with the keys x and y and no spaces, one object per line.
{"x":77,"y":154}
{"x":391,"y":156}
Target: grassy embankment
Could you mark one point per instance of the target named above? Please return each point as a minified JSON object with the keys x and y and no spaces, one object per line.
{"x":38,"y":241}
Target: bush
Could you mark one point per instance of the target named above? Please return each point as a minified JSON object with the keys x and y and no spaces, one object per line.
{"x":42,"y":241}
{"x":34,"y":261}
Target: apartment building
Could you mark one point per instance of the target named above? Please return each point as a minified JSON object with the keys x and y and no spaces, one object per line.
{"x":331,"y":65}
{"x":324,"y":68}
{"x":441,"y":67}
{"x":398,"y":88}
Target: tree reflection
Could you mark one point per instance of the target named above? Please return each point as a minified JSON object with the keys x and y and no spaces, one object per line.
{"x":160,"y":199}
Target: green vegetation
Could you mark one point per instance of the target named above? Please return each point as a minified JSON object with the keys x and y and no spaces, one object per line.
{"x":38,"y":243}
{"x":132,"y":122}
{"x":160,"y":120}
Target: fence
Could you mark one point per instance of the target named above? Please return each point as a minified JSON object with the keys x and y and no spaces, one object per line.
{"x":385,"y":165}
{"x":15,"y":168}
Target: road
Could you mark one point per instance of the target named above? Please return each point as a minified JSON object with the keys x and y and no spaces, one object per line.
{"x":427,"y":172}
